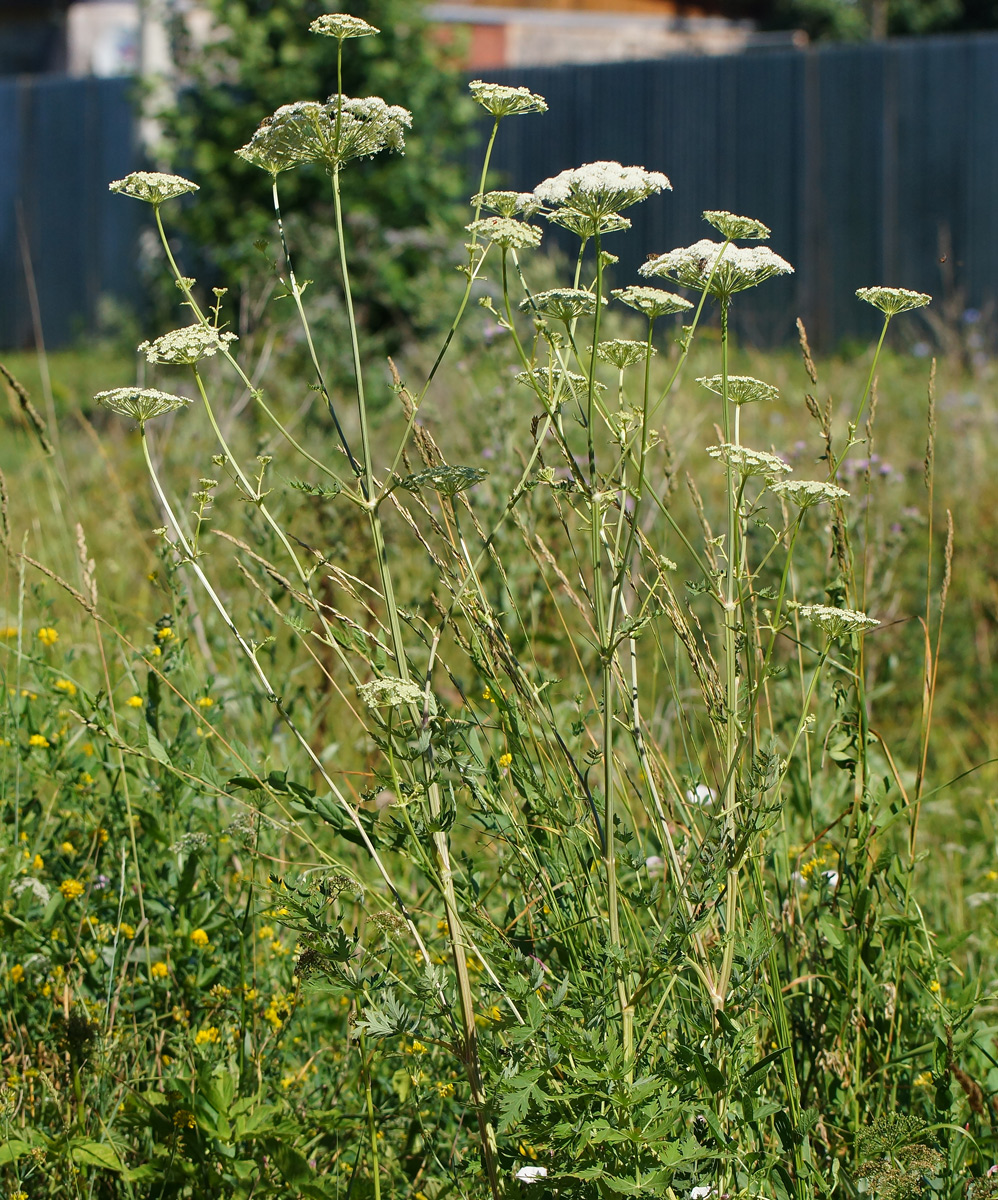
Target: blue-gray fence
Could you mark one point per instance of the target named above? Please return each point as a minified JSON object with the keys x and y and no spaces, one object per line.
{"x":864,"y":160}
{"x":61,"y":232}
{"x":870,"y":163}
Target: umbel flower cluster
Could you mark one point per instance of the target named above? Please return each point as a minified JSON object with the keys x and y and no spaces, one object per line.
{"x":329,"y":134}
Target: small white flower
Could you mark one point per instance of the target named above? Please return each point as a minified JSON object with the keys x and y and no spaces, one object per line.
{"x":831,"y":878}
{"x":503,"y":101}
{"x":805,"y":493}
{"x":701,"y":795}
{"x":599,"y":189}
{"x":563,"y":304}
{"x":623,"y":352}
{"x":531,"y":1174}
{"x":721,"y":268}
{"x":186,"y":346}
{"x":701,"y":1193}
{"x":505,"y":232}
{"x":390,"y":692}
{"x":342,"y":25}
{"x":734,"y":227}
{"x":892,"y":301}
{"x":330,"y":134}
{"x":655,"y":866}
{"x":507,"y":204}
{"x":152,"y":186}
{"x":750,"y":462}
{"x":742,"y":389}
{"x":653,"y":302}
{"x":837,"y":622}
{"x":141,"y":404}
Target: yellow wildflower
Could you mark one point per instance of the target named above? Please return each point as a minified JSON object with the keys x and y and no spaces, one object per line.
{"x":923,"y":1080}
{"x":134,"y":702}
{"x":220,"y":992}
{"x":9,"y":631}
{"x":16,"y":973}
{"x":71,"y":889}
{"x":265,"y":932}
{"x":204,"y":702}
{"x":444,"y":1090}
{"x":199,"y":938}
{"x":992,"y":876}
{"x":934,"y":986}
{"x":68,"y":849}
{"x":48,"y":636}
{"x":88,"y":749}
{"x":126,"y":930}
{"x":165,"y":634}
{"x":38,"y":739}
{"x":207,"y":1036}
{"x":184,"y":1119}
{"x":38,"y":862}
{"x":505,"y":760}
{"x":159,"y":970}
{"x":66,"y":685}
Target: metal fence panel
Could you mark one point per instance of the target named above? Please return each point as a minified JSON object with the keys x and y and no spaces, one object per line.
{"x":61,"y":142}
{"x":870,"y":163}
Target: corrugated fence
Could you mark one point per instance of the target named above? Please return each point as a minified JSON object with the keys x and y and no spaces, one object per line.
{"x":868,"y":162}
{"x":62,"y":235}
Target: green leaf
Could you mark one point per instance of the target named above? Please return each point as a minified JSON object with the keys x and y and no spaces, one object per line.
{"x":96,"y":1154}
{"x":448,"y":481}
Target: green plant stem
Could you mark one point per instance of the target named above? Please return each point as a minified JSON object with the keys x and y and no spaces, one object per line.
{"x":273,"y":696}
{"x":472,"y":271}
{"x":372,"y":1132}
{"x":227,"y":354}
{"x":730,"y":661}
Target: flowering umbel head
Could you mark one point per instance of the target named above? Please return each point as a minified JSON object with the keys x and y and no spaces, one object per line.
{"x":563,"y":304}
{"x":187,"y":346}
{"x":892,"y":301}
{"x":623,"y":352}
{"x":342,"y":25}
{"x":152,"y":186}
{"x":837,"y":622}
{"x":742,"y":389}
{"x":505,"y":232}
{"x":734,"y":227}
{"x":502,"y":101}
{"x":719,"y":267}
{"x":329,"y":134}
{"x":599,"y":190}
{"x":750,"y":462}
{"x":141,"y":404}
{"x":507,"y":204}
{"x":653,"y":302}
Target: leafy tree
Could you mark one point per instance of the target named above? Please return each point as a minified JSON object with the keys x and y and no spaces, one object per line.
{"x":260,"y":56}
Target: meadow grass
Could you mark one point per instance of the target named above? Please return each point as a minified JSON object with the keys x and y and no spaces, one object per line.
{"x":525,"y":783}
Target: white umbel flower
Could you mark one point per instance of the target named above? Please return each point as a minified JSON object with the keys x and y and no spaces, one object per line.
{"x":806,"y":493}
{"x":502,"y":101}
{"x":623,"y":352}
{"x":152,"y":186}
{"x":390,"y":692}
{"x":750,"y":462}
{"x":330,"y":134}
{"x":342,"y":25}
{"x":735,"y":227}
{"x":891,"y":300}
{"x":742,"y":389}
{"x":599,"y":188}
{"x":507,"y":204}
{"x":653,"y":302}
{"x":563,"y":304}
{"x":141,"y":404}
{"x":184,"y":347}
{"x":505,"y":232}
{"x":585,"y":226}
{"x":557,"y":382}
{"x":837,"y":622}
{"x":722,"y":268}
{"x":531,"y":1174}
